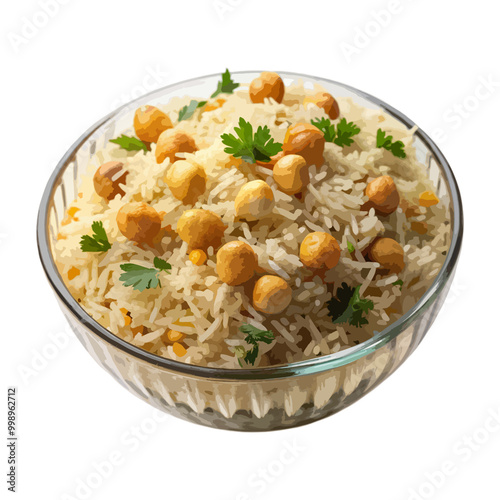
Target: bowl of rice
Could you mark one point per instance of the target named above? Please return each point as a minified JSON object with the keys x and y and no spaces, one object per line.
{"x":251,"y":251}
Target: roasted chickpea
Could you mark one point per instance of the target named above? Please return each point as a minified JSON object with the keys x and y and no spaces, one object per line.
{"x":150,"y":122}
{"x":187,"y":181}
{"x":138,"y":222}
{"x":319,"y":250}
{"x":254,"y":200}
{"x":383,"y":195}
{"x":388,"y":253}
{"x":271,"y":294}
{"x":291,"y":173}
{"x":236,"y":262}
{"x":107,"y":179}
{"x":306,"y":140}
{"x":269,"y":85}
{"x":326,"y":101}
{"x":200,"y":228}
{"x":172,"y":142}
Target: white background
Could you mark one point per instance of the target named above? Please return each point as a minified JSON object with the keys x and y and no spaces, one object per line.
{"x":427,"y":59}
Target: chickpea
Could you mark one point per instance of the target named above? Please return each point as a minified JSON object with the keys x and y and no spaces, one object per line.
{"x":306,"y":140}
{"x":150,"y":122}
{"x":200,"y":228}
{"x":107,"y":179}
{"x":187,"y":181}
{"x":271,"y":294}
{"x":383,"y":195}
{"x":269,"y":85}
{"x":319,"y":250}
{"x":138,"y":222}
{"x":236,"y":262}
{"x":254,"y":200}
{"x":198,"y":257}
{"x":172,"y":142}
{"x":291,"y":173}
{"x":326,"y":101}
{"x":388,"y":253}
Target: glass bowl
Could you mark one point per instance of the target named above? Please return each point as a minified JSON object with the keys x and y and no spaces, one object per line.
{"x":257,"y":399}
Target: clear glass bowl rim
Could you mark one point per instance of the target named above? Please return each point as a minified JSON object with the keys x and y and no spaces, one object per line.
{"x":305,"y":367}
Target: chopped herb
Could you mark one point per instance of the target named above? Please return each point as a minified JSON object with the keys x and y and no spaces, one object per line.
{"x":349,"y":307}
{"x":141,"y":277}
{"x":350,"y":247}
{"x":98,"y":242}
{"x":399,"y":283}
{"x":385,"y":141}
{"x":341,"y":135}
{"x":187,"y":111}
{"x":253,"y":337}
{"x":226,"y":85}
{"x":249,"y":146}
{"x":130,"y":143}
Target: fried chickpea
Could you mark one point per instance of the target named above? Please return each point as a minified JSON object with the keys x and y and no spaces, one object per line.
{"x":254,"y":200}
{"x":138,"y":222}
{"x":326,"y":101}
{"x":187,"y":181}
{"x":267,"y":84}
{"x":172,"y":142}
{"x":198,"y":257}
{"x":107,"y":179}
{"x":319,"y":250}
{"x":150,"y":122}
{"x":388,"y":253}
{"x":200,"y":228}
{"x":291,"y":173}
{"x":306,"y":140}
{"x":236,"y":263}
{"x":271,"y":294}
{"x":383,"y":195}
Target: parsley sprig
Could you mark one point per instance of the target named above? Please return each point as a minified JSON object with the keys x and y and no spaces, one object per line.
{"x":188,"y":110}
{"x":341,"y":135}
{"x":98,"y":242}
{"x":226,"y":85}
{"x":349,"y":307}
{"x":253,"y":336}
{"x":130,"y":143}
{"x":385,"y":141}
{"x":142,"y":278}
{"x":249,"y":146}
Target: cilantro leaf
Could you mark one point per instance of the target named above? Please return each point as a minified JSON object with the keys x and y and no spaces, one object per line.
{"x":226,"y":85}
{"x":340,"y":135}
{"x":385,"y":141}
{"x":350,"y":247}
{"x":142,"y":278}
{"x":398,"y":283}
{"x":253,"y":336}
{"x":129,"y":143}
{"x":187,"y":111}
{"x":349,"y":307}
{"x":249,"y":146}
{"x":98,"y":242}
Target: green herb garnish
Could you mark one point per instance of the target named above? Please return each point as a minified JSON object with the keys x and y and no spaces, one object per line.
{"x":188,"y":110}
{"x":350,"y":247}
{"x":129,"y":143}
{"x":341,"y":135}
{"x":398,"y":283}
{"x":226,"y":85}
{"x":141,"y":277}
{"x":98,"y":242}
{"x":385,"y":141}
{"x":253,"y":336}
{"x":348,"y":306}
{"x":249,"y":146}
